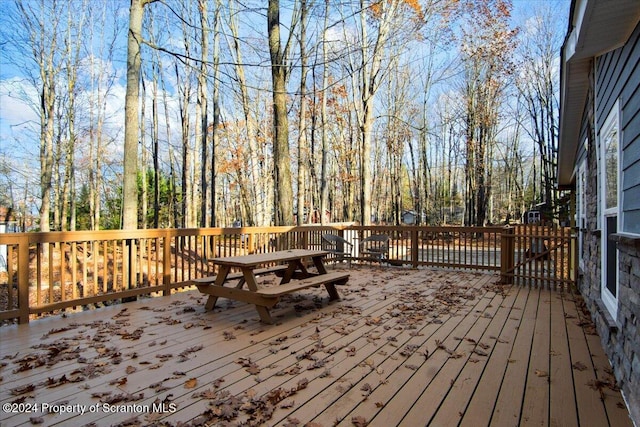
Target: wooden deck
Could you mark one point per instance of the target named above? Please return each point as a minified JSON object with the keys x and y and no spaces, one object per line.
{"x":402,"y":347}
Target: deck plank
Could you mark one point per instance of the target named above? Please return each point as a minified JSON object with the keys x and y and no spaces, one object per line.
{"x":446,"y":392}
{"x":562,"y":399}
{"x":480,"y":351}
{"x":363,"y":356}
{"x":509,"y":403}
{"x":483,"y":400}
{"x":535,"y":406}
{"x":355,"y":396}
{"x":590,"y":408}
{"x":605,"y":383}
{"x":428,"y":371}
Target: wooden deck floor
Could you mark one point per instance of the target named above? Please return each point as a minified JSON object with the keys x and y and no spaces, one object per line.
{"x":402,"y":347}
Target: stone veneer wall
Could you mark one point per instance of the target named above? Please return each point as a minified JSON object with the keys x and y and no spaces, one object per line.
{"x":621,"y":336}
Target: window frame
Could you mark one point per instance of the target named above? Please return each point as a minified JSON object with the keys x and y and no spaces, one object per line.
{"x":610,"y":127}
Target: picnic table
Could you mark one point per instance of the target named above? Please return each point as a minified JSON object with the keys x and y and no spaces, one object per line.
{"x":288,"y":264}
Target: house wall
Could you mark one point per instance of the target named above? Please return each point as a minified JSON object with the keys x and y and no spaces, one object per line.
{"x":616,"y":76}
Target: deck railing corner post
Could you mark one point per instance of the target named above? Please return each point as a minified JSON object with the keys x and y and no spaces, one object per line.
{"x":507,"y":255}
{"x":23,"y":280}
{"x":414,"y":248}
{"x":166,"y":264}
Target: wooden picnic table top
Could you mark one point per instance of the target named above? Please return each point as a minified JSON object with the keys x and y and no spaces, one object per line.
{"x":248,"y":263}
{"x":254,"y":260}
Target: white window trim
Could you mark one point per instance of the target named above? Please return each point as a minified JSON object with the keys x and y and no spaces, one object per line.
{"x":581,"y":215}
{"x":612,"y":122}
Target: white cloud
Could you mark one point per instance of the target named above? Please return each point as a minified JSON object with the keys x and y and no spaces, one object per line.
{"x":17,"y":100}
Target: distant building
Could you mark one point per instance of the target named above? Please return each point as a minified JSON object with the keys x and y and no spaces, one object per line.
{"x":409,"y":217}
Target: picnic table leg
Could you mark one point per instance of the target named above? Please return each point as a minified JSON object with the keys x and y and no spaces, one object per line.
{"x":291,"y":270}
{"x":331,"y":287}
{"x":220,"y":279}
{"x":250,"y":280}
{"x":211,"y":303}
{"x":317,"y":261}
{"x":264,"y":314}
{"x":333,"y":292}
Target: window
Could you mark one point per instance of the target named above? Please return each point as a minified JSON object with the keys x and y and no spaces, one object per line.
{"x":609,"y":167}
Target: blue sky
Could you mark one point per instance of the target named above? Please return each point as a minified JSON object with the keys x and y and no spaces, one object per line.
{"x":19,"y":121}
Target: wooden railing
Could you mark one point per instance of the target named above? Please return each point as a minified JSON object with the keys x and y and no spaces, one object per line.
{"x":48,"y":272}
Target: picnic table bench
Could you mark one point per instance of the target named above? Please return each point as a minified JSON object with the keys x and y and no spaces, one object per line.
{"x":294,"y":277}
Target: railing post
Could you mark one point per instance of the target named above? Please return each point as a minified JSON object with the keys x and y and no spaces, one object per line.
{"x":23,"y":280}
{"x":507,"y":255}
{"x":166,"y":264}
{"x":414,"y":248}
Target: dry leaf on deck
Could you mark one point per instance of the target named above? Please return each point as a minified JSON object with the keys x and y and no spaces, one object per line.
{"x":191,"y":383}
{"x":579,"y":366}
{"x":359,"y":421}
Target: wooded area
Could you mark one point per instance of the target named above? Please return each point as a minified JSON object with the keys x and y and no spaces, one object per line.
{"x":196,"y":113}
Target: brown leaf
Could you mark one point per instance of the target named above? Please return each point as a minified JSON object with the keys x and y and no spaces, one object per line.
{"x":191,"y":383}
{"x":579,"y":366}
{"x":23,"y":390}
{"x":302,"y":384}
{"x":100,"y":394}
{"x":287,"y":405}
{"x":121,"y":381}
{"x":366,"y":389}
{"x":130,"y":370}
{"x":359,"y":421}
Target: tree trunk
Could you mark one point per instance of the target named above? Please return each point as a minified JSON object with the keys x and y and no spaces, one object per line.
{"x":283,"y":191}
{"x":202,"y":108}
{"x":131,"y":124}
{"x":324,"y":183}
{"x":302,"y":124}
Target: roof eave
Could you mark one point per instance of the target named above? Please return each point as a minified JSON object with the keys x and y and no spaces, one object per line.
{"x":598,"y":26}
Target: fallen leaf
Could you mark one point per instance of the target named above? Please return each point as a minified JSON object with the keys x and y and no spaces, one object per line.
{"x":359,"y":421}
{"x":119,"y":382}
{"x":191,"y":383}
{"x":579,"y":366}
{"x":541,"y":373}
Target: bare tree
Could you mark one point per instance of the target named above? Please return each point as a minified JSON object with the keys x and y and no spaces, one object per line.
{"x":202,"y":119}
{"x":324,"y":183}
{"x":486,"y":45}
{"x":131,"y":126}
{"x":41,"y":24}
{"x":302,"y":114}
{"x":215,"y":107}
{"x":254,"y":210}
{"x":101,"y":83}
{"x":538,"y":85}
{"x":283,"y":189}
{"x":367,"y":82}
